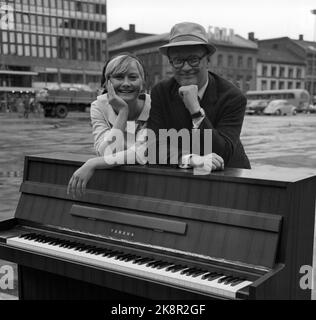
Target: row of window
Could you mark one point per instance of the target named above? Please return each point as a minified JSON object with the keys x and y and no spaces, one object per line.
{"x":98,"y":8}
{"x":229,"y":61}
{"x":281,"y":72}
{"x":67,"y":78}
{"x":274,"y":85}
{"x":62,"y":47}
{"x":25,"y":81}
{"x":54,"y":22}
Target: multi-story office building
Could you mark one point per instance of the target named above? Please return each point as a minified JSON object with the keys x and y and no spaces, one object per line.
{"x":52,"y":43}
{"x":235,"y":58}
{"x":280,"y":69}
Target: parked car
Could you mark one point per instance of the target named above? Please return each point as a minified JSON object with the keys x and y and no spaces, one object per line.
{"x":280,"y":107}
{"x":256,"y":106}
{"x":310,"y":109}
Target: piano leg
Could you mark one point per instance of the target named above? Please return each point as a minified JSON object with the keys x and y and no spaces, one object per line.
{"x":40,"y":285}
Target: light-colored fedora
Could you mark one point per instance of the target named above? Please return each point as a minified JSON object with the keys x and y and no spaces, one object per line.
{"x":187,"y":34}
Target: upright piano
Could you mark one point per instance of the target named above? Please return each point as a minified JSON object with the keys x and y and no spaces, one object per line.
{"x":150,"y":232}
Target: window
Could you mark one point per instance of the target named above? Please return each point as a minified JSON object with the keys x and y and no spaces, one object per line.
{"x":281,"y":74}
{"x":40,"y":20}
{"x":263,"y":85}
{"x":5,"y":48}
{"x":26,"y":19}
{"x":59,"y":4}
{"x":41,"y":52}
{"x":47,"y":52}
{"x":249,"y":63}
{"x":273,"y":85}
{"x":52,"y":77}
{"x":33,"y":39}
{"x":240,"y":62}
{"x":290,"y":85}
{"x":19,"y":37}
{"x":298,"y":73}
{"x":230,"y":61}
{"x":264,"y":70}
{"x":4,"y":36}
{"x":66,"y":5}
{"x":298,"y":85}
{"x":27,"y":51}
{"x":40,"y":40}
{"x":273,"y":71}
{"x":66,"y":78}
{"x":281,"y":85}
{"x":12,"y":37}
{"x":34,"y":51}
{"x":291,"y":72}
{"x":219,"y":60}
{"x":33,"y":19}
{"x":26,"y":38}
{"x":20,"y":50}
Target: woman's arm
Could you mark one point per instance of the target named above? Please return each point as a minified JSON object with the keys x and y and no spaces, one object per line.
{"x":104,"y":135}
{"x":78,"y":182}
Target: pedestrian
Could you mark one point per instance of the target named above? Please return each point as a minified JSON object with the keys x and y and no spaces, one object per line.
{"x":196,"y":98}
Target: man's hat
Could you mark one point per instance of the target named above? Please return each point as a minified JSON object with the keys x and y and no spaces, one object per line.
{"x":187,"y":34}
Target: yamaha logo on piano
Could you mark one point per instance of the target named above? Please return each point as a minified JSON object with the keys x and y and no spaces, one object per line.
{"x":122,"y":233}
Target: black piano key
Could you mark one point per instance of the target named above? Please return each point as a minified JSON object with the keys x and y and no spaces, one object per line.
{"x":212,"y":275}
{"x":114,"y":254}
{"x":198,"y":273}
{"x":144,"y":261}
{"x":176,"y":268}
{"x":187,"y":271}
{"x":224,"y":279}
{"x":163,"y":265}
{"x":153,"y":263}
{"x":237,"y":281}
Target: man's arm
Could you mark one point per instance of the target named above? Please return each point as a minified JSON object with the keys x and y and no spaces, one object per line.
{"x":225,"y":136}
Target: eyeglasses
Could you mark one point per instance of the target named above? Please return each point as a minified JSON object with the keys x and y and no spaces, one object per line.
{"x":193,"y":61}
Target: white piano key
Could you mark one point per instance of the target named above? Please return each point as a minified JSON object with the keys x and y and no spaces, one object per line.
{"x":128,"y":267}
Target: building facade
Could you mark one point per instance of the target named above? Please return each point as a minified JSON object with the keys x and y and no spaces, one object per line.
{"x":53,"y":43}
{"x":235,"y":59}
{"x":280,"y":69}
{"x":304,"y":50}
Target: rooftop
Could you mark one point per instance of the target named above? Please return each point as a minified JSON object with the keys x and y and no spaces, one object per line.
{"x":237,"y":41}
{"x":278,"y":56}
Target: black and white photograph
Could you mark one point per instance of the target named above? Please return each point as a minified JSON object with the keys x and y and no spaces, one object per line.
{"x":158,"y":156}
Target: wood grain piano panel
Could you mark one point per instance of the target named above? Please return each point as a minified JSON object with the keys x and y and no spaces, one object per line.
{"x":234,"y":215}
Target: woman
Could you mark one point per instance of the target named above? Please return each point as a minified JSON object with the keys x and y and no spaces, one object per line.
{"x":118,"y":118}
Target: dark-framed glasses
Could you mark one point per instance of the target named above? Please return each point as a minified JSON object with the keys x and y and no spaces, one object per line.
{"x":193,"y":61}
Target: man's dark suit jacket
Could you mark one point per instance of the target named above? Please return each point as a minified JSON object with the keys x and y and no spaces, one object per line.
{"x":224,"y":106}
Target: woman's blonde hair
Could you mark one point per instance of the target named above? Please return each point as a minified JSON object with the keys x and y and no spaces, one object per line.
{"x":120,"y":64}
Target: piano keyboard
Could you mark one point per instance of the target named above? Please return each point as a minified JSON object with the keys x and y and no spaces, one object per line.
{"x":191,"y":278}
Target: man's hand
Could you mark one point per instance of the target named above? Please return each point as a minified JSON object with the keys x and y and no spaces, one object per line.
{"x":207,"y":163}
{"x":115,"y":101}
{"x":78,"y":181}
{"x":189,"y":95}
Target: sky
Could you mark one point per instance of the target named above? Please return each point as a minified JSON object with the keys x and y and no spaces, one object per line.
{"x":266,"y":18}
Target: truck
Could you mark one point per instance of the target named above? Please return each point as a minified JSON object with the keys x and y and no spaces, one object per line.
{"x":58,"y":102}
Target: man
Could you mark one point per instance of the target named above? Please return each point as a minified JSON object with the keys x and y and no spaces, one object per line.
{"x":195,"y":98}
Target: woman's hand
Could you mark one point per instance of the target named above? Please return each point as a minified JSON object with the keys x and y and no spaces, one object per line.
{"x":78,"y":181}
{"x":115,"y":101}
